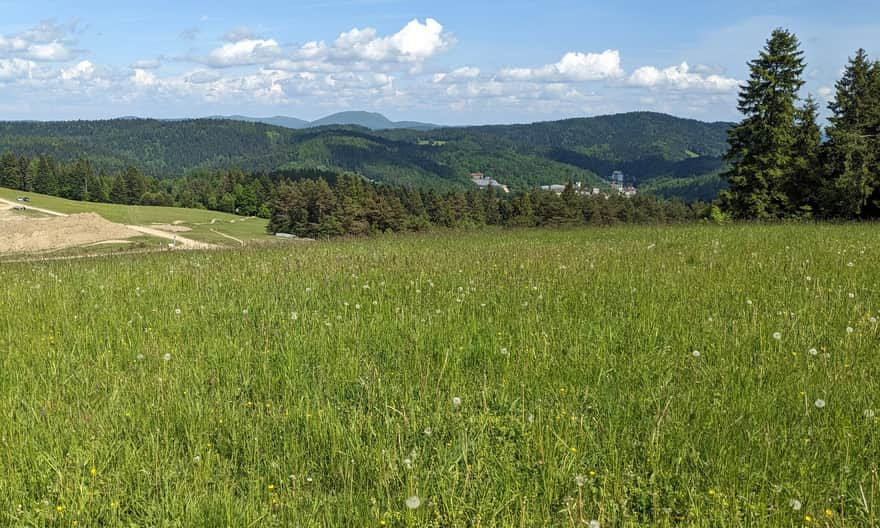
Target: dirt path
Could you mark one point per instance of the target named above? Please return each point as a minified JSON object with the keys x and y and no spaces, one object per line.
{"x":229,"y":237}
{"x":26,"y":206}
{"x":180,"y":242}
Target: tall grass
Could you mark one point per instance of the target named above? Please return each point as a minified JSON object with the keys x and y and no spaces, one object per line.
{"x":631,"y":377}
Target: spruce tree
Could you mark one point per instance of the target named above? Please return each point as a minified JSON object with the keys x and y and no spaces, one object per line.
{"x":805,"y":180}
{"x":851,"y":156}
{"x":761,"y":146}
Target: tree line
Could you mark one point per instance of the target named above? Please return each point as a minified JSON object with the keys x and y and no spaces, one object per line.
{"x":352,"y":206}
{"x":231,"y":191}
{"x":781,"y":165}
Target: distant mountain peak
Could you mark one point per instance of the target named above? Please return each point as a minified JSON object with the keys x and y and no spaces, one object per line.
{"x":371,"y":120}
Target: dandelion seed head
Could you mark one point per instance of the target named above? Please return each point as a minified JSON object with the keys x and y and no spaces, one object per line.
{"x":820,"y":403}
{"x":413,"y":502}
{"x":813,"y":352}
{"x":177,"y":311}
{"x":795,"y":504}
{"x":197,"y":459}
{"x":595,"y":524}
{"x":849,"y":330}
{"x":456,"y":401}
{"x":579,"y":480}
{"x":696,"y":353}
{"x":777,"y":335}
{"x":167,"y":357}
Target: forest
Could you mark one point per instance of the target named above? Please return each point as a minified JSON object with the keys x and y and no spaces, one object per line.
{"x":645,"y":146}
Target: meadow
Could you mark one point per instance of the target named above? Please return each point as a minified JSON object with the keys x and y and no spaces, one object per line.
{"x":678,"y":376}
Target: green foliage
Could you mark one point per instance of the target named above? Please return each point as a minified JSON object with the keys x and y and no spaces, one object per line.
{"x":762,"y":145}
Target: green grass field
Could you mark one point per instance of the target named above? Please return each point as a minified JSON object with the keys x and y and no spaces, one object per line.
{"x":694,"y":376}
{"x":199,"y":220}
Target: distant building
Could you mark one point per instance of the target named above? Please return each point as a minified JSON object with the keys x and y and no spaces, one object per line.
{"x":481,"y":181}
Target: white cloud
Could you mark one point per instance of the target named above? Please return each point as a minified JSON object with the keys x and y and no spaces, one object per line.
{"x":203,"y":76}
{"x":415,"y":43}
{"x":143,"y":78}
{"x":466,"y":72}
{"x":43,"y":43}
{"x":84,"y":70}
{"x":574,"y":66}
{"x":146,"y":64}
{"x":826,"y":93}
{"x":14,"y":69}
{"x":244,"y":53}
{"x":681,"y":78}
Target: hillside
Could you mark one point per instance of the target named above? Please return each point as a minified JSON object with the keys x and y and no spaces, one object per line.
{"x":645,"y":146}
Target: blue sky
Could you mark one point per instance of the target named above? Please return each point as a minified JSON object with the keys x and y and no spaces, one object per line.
{"x":447,"y":62}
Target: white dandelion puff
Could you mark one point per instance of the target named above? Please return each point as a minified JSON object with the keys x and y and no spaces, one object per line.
{"x":456,"y":401}
{"x":813,"y":352}
{"x":777,"y":336}
{"x":849,"y":330}
{"x":413,"y":502}
{"x":177,"y":311}
{"x":167,"y":357}
{"x":795,"y":504}
{"x":504,"y":351}
{"x":408,"y":463}
{"x":294,"y":316}
{"x":695,"y":353}
{"x":197,"y":459}
{"x":140,"y":357}
{"x":579,"y":480}
{"x":820,"y":403}
{"x":427,"y":431}
{"x":595,"y":524}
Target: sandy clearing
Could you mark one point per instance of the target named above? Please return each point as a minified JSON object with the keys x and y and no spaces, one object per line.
{"x":23,"y":234}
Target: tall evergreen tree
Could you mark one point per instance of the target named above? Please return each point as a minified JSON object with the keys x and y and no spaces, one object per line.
{"x":761,"y":146}
{"x":852,"y":158}
{"x":805,"y":181}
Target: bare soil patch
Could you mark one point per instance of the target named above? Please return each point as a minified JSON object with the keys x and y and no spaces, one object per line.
{"x":27,"y":235}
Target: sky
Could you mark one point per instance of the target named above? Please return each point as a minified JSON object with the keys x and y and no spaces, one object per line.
{"x":449,"y":62}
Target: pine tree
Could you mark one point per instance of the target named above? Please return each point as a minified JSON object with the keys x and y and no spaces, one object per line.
{"x":761,"y":146}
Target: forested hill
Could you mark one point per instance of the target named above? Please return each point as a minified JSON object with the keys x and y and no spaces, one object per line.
{"x":648,"y":147}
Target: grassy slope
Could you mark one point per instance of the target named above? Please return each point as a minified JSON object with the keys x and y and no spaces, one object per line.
{"x":571,"y":351}
{"x":250,"y":229}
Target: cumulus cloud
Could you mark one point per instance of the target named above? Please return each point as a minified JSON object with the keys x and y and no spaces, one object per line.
{"x":84,"y":70}
{"x":143,"y":78}
{"x":681,"y":78}
{"x":42,"y":43}
{"x":203,"y":76}
{"x":574,"y":66}
{"x":245,"y":52}
{"x":146,"y":64}
{"x":466,"y":72}
{"x":416,"y":42}
{"x":14,"y":69}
